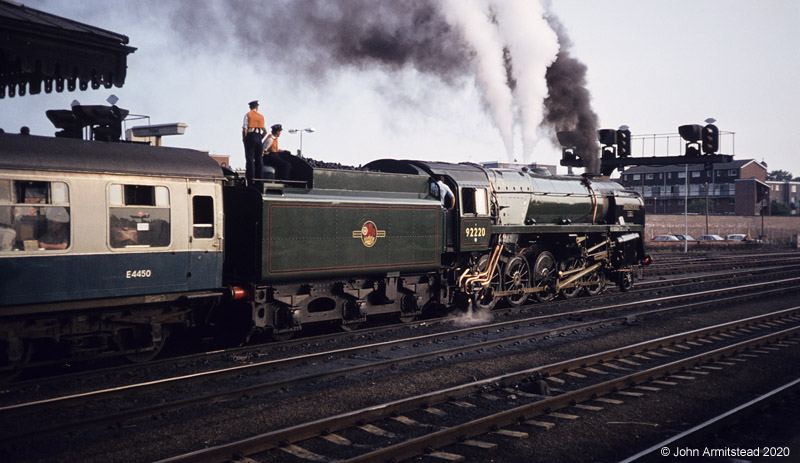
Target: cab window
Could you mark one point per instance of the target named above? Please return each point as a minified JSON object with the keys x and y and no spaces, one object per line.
{"x":474,"y":201}
{"x":139,"y":216}
{"x":34,"y":216}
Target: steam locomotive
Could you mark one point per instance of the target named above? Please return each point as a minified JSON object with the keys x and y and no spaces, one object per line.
{"x":106,"y":248}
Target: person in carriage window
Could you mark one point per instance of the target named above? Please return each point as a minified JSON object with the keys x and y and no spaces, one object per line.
{"x":57,"y":234}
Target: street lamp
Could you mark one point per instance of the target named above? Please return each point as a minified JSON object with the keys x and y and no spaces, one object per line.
{"x":307,"y":130}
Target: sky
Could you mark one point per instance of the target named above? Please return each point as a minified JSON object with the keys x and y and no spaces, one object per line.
{"x":652,"y":65}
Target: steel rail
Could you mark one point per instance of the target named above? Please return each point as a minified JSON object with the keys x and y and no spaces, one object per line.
{"x":712,"y":425}
{"x":275,"y":385}
{"x":639,"y":287}
{"x":319,"y":427}
{"x":421,"y":445}
{"x":239,"y":369}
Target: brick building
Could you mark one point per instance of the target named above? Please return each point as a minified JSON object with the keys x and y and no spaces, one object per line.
{"x":737,"y":187}
{"x":786,"y":192}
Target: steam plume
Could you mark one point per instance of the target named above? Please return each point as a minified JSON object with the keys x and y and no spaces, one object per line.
{"x":533,"y":47}
{"x":489,"y":60}
{"x":521,"y":66}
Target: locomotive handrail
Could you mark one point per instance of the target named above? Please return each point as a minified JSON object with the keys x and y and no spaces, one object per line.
{"x":594,"y":200}
{"x":483,"y":278}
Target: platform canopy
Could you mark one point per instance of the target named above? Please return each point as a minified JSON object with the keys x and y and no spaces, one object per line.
{"x":40,"y":51}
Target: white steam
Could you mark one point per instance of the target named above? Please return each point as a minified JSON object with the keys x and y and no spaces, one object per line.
{"x":514,"y":89}
{"x":472,"y":20}
{"x":471,"y":317}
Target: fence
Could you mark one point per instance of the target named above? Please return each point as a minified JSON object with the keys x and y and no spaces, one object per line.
{"x":776,"y":230}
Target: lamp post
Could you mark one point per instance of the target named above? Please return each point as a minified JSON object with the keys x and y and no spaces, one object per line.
{"x":706,"y":188}
{"x":307,"y":130}
{"x":686,"y":209}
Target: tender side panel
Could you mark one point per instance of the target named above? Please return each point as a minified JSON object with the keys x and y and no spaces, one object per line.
{"x":305,"y":240}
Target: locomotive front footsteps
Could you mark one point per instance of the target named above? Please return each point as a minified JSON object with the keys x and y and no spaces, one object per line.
{"x":105,"y":248}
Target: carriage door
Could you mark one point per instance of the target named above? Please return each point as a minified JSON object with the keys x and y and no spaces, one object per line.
{"x":205,"y":235}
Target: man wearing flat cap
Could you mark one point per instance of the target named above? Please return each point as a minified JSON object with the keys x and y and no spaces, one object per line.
{"x":253,"y":132}
{"x":272,"y":154}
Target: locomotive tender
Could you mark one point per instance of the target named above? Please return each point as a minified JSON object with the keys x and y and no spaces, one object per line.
{"x":107,"y":247}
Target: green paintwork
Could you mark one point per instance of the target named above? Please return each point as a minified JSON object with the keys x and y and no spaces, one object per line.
{"x":377,"y":182}
{"x":311,"y":240}
{"x":320,"y":232}
{"x":565,"y":199}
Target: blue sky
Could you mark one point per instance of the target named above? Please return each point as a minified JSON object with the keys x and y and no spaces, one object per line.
{"x":652,"y":65}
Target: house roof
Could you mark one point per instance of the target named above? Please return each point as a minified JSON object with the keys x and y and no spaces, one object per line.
{"x":40,"y":50}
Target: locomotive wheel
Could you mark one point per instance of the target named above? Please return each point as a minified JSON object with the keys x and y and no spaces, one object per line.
{"x":351,"y":326}
{"x":544,"y":275}
{"x":408,"y":307}
{"x":597,"y":284}
{"x":285,"y":336}
{"x":517,"y":276}
{"x":571,"y":263}
{"x":485,"y":299}
{"x":625,"y":281}
{"x":406,"y":318}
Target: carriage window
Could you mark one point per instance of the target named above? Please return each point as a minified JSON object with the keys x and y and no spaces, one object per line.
{"x":203,"y":213}
{"x":474,"y":201}
{"x":34,"y":216}
{"x":139,"y":216}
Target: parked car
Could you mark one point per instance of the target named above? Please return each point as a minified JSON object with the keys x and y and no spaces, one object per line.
{"x":737,"y":237}
{"x":685,"y":238}
{"x":710,"y":238}
{"x":665,"y":238}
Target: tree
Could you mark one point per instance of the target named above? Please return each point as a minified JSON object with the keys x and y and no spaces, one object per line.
{"x":779,"y":175}
{"x":777,"y":208}
{"x":697,"y":206}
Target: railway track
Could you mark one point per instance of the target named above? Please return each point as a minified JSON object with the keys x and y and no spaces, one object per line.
{"x":246,"y":364}
{"x":113,"y":405}
{"x":32,"y":414}
{"x":677,"y":265}
{"x":771,"y":270}
{"x":689,"y":442}
{"x":581,"y":382}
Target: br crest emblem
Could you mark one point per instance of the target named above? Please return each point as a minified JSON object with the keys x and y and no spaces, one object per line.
{"x":369,"y":234}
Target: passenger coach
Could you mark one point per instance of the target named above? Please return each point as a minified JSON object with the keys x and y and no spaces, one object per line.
{"x":136,"y":230}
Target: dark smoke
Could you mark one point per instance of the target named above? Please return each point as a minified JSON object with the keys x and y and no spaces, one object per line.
{"x":312,"y":38}
{"x":568,"y":104}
